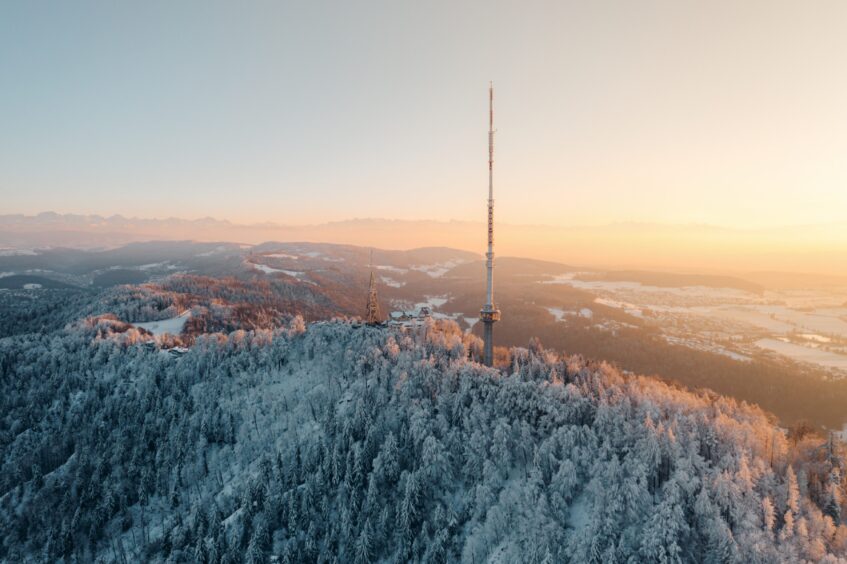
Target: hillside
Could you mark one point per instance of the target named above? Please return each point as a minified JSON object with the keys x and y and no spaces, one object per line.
{"x":627,"y":245}
{"x":354,"y":444}
{"x":701,"y":330}
{"x":675,"y":280}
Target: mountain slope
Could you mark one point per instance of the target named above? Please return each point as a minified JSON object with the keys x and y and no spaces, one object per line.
{"x":348,"y":444}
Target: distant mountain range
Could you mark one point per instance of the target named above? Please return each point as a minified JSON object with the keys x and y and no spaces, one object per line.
{"x":683,"y":248}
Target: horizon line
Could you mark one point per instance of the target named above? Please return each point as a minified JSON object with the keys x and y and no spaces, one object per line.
{"x":276,"y":224}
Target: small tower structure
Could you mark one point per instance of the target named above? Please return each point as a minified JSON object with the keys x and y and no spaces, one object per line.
{"x":489,"y":314}
{"x":373,"y":316}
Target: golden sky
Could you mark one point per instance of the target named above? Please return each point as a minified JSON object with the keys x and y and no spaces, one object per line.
{"x":725,"y":113}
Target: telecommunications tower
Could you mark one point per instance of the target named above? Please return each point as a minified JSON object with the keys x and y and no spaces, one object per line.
{"x":372,"y":314}
{"x":489,"y":314}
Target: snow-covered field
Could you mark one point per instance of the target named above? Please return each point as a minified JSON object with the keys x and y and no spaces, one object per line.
{"x":439,"y":269}
{"x":388,"y":281}
{"x":173,"y":325}
{"x":471,"y":321}
{"x":270,"y":270}
{"x":631,"y":309}
{"x":432,"y":302}
{"x":560,"y":314}
{"x":152,"y":265}
{"x":392,"y":269}
{"x":684,"y":291}
{"x":557,"y":312}
{"x":804,"y":354}
{"x":694,"y":314}
{"x":265,"y":268}
{"x":214,"y":251}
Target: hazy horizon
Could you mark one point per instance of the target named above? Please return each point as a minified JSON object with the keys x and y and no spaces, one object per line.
{"x":682,"y":247}
{"x":318,"y":221}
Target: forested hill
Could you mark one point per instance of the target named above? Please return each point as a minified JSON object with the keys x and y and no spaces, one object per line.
{"x":344,"y":444}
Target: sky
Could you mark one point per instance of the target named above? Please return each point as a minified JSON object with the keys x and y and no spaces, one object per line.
{"x":723,"y":113}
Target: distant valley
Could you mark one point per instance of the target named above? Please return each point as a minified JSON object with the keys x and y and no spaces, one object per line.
{"x":758,"y":338}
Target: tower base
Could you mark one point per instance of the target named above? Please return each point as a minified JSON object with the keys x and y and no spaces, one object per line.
{"x":488,"y":338}
{"x":488,"y":315}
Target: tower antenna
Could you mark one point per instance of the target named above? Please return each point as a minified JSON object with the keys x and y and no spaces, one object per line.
{"x":489,"y":314}
{"x":372,"y":314}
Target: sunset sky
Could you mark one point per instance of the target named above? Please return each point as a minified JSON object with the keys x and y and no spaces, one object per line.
{"x":724,"y":112}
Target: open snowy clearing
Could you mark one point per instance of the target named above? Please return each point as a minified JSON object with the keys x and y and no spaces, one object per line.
{"x":173,"y":325}
{"x":471,"y":321}
{"x":560,"y":314}
{"x":432,"y":302}
{"x":396,"y":269}
{"x":270,"y":270}
{"x":391,"y":282}
{"x":439,"y":269}
{"x":804,"y":354}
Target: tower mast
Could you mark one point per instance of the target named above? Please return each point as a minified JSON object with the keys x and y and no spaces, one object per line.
{"x":489,"y":313}
{"x":372,"y":314}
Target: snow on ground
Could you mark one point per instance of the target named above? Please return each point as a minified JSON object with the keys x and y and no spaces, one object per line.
{"x":579,"y":512}
{"x":779,"y":319}
{"x":282,"y":255}
{"x":782,"y":319}
{"x":17,"y":252}
{"x":219,"y":249}
{"x":814,"y":321}
{"x":815,"y":338}
{"x":707,"y":346}
{"x":812,"y":312}
{"x":747,"y":315}
{"x":432,"y":302}
{"x":293,"y":273}
{"x":631,"y":309}
{"x":391,"y":282}
{"x":471,"y":321}
{"x":732,"y":354}
{"x":437,"y":270}
{"x":561,"y":278}
{"x":173,"y":325}
{"x":152,"y":265}
{"x":32,"y":286}
{"x":392,"y":269}
{"x":804,"y":354}
{"x":270,"y":270}
{"x":265,"y":268}
{"x":558,"y":313}
{"x":439,"y":315}
{"x":684,"y":291}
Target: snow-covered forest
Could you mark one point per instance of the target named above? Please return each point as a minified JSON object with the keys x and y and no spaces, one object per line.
{"x":338,"y":443}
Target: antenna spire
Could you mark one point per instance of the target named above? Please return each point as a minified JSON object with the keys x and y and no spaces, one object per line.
{"x":489,"y":313}
{"x":373,"y":316}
